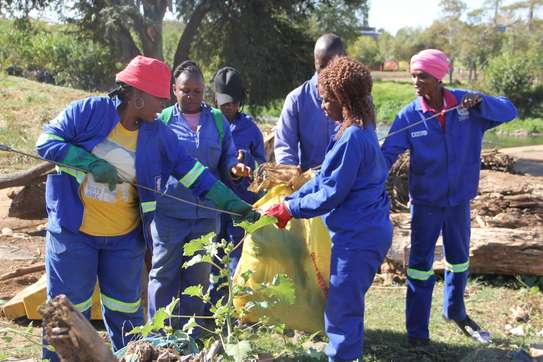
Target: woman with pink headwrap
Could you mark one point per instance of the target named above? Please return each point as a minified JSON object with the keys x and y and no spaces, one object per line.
{"x":443,"y":178}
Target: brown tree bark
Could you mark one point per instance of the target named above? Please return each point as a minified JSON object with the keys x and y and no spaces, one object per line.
{"x":492,"y":250}
{"x":23,"y":271}
{"x":71,"y":334}
{"x":183,"y":47}
{"x":26,"y":177}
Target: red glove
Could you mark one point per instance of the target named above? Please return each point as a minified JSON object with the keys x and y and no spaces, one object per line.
{"x":281,"y":212}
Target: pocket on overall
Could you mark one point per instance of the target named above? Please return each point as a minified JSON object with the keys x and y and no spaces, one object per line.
{"x":64,"y":207}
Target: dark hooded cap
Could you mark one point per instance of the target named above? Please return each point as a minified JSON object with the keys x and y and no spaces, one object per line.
{"x":228,"y":87}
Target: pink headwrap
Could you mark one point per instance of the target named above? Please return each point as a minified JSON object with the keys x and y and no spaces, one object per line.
{"x":431,"y":61}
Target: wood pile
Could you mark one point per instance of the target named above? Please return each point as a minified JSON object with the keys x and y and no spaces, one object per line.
{"x":397,"y":184}
{"x":497,"y":161}
{"x":270,"y":174}
{"x":508,"y":201}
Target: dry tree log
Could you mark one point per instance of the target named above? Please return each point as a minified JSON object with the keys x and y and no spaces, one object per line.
{"x":26,"y":177}
{"x":492,"y":250}
{"x":23,"y":271}
{"x":71,"y":334}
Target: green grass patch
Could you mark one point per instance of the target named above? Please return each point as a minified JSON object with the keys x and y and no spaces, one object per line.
{"x":526,"y":126}
{"x":389,"y":98}
{"x":25,"y":106}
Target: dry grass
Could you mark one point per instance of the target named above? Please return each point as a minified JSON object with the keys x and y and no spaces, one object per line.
{"x":24,"y":107}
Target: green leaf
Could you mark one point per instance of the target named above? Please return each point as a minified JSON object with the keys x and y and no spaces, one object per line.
{"x":190,"y":325}
{"x":144,"y":330}
{"x":250,"y":228}
{"x":170,"y":307}
{"x":159,"y":318}
{"x":194,"y":291}
{"x":281,"y":289}
{"x":246,"y":275}
{"x":7,"y":339}
{"x":197,"y":259}
{"x":200,"y":244}
{"x":238,"y":351}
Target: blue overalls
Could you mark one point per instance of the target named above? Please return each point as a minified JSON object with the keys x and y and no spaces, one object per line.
{"x":73,"y":259}
{"x":177,"y":223}
{"x":350,"y":192}
{"x":443,"y":178}
{"x":247,"y":138}
{"x":303,"y":130}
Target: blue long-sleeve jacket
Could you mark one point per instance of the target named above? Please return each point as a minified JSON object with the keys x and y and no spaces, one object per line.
{"x":204,"y":145}
{"x":86,"y":123}
{"x":248,"y":138}
{"x":350,"y":191}
{"x":303,"y":131}
{"x":445,"y":162}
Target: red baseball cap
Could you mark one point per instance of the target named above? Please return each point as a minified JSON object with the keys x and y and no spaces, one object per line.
{"x":147,"y":74}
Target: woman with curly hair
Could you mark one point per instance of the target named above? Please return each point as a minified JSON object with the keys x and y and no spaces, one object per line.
{"x":349,"y":191}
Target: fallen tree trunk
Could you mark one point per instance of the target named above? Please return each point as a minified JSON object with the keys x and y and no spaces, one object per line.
{"x":492,"y":250}
{"x":26,"y":177}
{"x":23,"y":271}
{"x":29,"y":202}
{"x":71,"y":334}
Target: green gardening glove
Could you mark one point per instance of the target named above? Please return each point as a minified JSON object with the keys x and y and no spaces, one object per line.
{"x":226,"y":199}
{"x":101,"y":170}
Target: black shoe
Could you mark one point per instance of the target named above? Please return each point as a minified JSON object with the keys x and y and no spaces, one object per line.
{"x":415,"y":342}
{"x":473,"y":330}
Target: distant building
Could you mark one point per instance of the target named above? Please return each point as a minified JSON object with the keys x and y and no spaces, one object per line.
{"x":391,"y":66}
{"x":370,"y":31}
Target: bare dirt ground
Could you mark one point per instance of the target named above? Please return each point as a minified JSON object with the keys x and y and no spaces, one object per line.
{"x":21,"y":244}
{"x":530,"y":159}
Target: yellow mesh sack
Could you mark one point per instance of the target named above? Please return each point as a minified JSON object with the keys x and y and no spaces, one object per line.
{"x":301,"y":251}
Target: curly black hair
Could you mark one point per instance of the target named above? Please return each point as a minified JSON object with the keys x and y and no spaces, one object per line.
{"x":350,"y":83}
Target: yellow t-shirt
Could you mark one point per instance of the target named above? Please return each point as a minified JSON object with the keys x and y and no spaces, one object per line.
{"x":108,"y":213}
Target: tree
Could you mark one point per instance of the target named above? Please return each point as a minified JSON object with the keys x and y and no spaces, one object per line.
{"x":407,"y":42}
{"x":268,"y":40}
{"x":265,"y":40}
{"x":478,"y":44}
{"x":531,"y":7}
{"x":344,"y":18}
{"x":366,"y":50}
{"x":452,"y":12}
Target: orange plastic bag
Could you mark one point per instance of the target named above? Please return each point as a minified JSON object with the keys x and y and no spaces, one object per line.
{"x":302,"y":251}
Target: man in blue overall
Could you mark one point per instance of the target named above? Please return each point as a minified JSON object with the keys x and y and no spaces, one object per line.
{"x":303,"y":130}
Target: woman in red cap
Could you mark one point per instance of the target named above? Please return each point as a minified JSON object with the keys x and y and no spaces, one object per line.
{"x":98,"y":220}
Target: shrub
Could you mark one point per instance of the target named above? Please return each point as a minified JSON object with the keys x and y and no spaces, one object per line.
{"x":513,"y":77}
{"x":55,"y":50}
